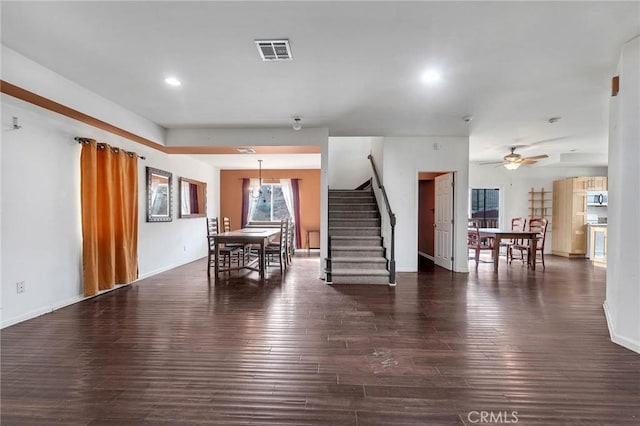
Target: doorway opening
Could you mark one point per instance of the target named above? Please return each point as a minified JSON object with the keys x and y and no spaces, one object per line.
{"x":435,"y":220}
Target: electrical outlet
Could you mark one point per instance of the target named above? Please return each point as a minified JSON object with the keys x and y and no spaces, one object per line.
{"x":20,"y":287}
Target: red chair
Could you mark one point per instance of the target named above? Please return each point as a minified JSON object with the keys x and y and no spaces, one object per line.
{"x":477,"y":244}
{"x":538,"y":225}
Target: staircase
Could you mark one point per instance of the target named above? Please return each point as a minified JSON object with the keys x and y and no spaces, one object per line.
{"x":356,"y":252}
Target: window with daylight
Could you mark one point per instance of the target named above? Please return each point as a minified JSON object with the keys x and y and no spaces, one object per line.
{"x":270,"y":205}
{"x":485,"y":207}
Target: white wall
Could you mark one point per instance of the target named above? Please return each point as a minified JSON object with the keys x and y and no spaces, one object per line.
{"x":622,"y":305}
{"x":377,"y":152}
{"x":349,"y":161}
{"x":40,"y":187}
{"x":515,"y":185}
{"x":403,"y":159}
{"x":40,"y":223}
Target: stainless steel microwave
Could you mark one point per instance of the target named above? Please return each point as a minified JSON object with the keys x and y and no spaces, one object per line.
{"x":597,"y":198}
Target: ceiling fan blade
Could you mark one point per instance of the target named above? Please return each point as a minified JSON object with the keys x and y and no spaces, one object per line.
{"x":537,"y":157}
{"x":528,"y":161}
{"x":548,"y":140}
{"x":491,"y":162}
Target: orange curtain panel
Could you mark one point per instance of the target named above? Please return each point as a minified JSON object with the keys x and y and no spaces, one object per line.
{"x":109,"y":184}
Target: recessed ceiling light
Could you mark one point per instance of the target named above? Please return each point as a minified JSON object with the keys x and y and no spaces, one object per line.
{"x":172,"y":81}
{"x":431,"y":76}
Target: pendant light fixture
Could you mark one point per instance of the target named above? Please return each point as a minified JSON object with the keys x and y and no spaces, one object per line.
{"x":257,"y":192}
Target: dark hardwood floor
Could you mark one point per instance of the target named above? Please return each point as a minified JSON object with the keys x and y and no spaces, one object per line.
{"x":440,"y":348}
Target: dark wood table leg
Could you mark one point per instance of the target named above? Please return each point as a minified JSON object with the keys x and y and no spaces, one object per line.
{"x":216,"y":267}
{"x":532,"y":256}
{"x":262,"y":262}
{"x":496,"y":252}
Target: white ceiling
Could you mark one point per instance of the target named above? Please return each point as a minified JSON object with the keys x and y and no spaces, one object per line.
{"x":357,"y":65}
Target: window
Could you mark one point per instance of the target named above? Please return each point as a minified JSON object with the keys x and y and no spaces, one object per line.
{"x":270,"y":206}
{"x":485,"y":207}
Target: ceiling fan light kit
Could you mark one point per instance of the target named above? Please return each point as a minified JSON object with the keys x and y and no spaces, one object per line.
{"x":512,"y":160}
{"x":511,"y":165}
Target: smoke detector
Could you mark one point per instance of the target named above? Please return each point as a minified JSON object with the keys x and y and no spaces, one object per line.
{"x":274,"y":50}
{"x":297,"y":123}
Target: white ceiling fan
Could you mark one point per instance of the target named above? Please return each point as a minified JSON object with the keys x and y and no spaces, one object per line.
{"x":512,"y":160}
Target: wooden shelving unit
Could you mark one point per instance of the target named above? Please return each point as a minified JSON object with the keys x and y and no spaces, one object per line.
{"x":540,"y":204}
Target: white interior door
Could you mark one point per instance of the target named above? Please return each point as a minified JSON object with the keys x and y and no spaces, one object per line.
{"x":444,"y":221}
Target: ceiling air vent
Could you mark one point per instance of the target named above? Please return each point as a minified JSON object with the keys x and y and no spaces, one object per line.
{"x":274,"y":50}
{"x":246,"y":150}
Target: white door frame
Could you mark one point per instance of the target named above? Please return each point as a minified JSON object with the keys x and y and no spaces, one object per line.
{"x":447,"y":263}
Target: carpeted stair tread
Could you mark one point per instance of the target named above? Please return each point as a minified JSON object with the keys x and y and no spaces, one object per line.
{"x":358,"y":259}
{"x":364,"y":272}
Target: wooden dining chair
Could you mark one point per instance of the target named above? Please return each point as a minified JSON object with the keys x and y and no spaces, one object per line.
{"x":246,"y":248}
{"x":517,"y":224}
{"x":290,"y":240}
{"x":227,"y":254}
{"x":477,"y":244}
{"x":539,"y":226}
{"x":278,"y":249}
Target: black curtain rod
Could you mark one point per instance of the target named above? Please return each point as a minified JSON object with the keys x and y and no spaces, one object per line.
{"x":87,"y":141}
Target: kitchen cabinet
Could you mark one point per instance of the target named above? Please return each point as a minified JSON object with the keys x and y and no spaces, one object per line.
{"x":598,"y":244}
{"x":569,"y":217}
{"x":593,"y":183}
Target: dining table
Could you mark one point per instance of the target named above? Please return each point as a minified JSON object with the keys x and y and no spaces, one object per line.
{"x":499,"y":234}
{"x":255,"y":236}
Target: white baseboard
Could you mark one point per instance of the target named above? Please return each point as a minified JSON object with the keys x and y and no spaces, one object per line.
{"x":167,"y":268}
{"x":25,"y":317}
{"x":79,"y":298}
{"x":615,"y":338}
{"x":428,"y":256}
{"x":38,"y":312}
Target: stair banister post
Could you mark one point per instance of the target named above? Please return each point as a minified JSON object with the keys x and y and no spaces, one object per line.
{"x":392,"y":222}
{"x":392,"y":262}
